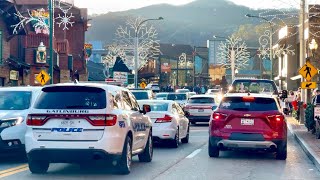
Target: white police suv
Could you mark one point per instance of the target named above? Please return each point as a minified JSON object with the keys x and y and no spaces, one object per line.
{"x":15,"y":103}
{"x":81,"y":122}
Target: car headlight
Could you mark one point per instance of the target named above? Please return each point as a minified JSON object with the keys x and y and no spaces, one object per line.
{"x":11,"y":122}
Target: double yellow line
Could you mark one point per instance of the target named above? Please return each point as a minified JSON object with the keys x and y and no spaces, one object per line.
{"x":15,"y":170}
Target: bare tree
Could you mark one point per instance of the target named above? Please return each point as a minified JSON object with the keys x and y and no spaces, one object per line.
{"x":148,"y":45}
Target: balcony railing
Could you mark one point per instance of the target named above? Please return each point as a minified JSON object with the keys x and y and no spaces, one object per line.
{"x":63,"y":46}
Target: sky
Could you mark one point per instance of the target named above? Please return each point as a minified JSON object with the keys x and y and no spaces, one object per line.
{"x":104,"y":6}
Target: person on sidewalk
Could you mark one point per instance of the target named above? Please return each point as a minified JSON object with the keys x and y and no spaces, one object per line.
{"x":316,"y":98}
{"x":289,"y":101}
{"x":299,"y":102}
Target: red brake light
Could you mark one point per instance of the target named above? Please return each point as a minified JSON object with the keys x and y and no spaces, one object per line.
{"x":218,"y":116}
{"x":36,"y":120}
{"x":276,"y":121}
{"x":165,"y":119}
{"x":248,"y":99}
{"x":103,"y":120}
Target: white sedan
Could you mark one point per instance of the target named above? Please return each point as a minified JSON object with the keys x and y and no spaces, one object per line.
{"x":169,"y":122}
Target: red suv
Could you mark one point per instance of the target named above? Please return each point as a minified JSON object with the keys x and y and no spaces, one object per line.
{"x":248,"y":121}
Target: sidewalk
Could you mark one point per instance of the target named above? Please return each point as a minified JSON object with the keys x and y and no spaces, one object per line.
{"x":307,"y":141}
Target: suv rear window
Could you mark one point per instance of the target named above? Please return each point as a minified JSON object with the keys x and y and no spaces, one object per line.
{"x":258,"y":104}
{"x":202,"y":100}
{"x":72,"y":97}
{"x":175,"y":97}
{"x":140,"y":95}
{"x":254,"y":86}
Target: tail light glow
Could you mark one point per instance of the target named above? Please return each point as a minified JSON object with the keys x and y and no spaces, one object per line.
{"x":165,"y":119}
{"x":36,"y":120}
{"x":219,"y":116}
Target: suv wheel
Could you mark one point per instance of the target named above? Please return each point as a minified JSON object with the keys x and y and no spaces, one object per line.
{"x":126,"y":157}
{"x":282,"y":152}
{"x":175,"y":141}
{"x":147,"y":154}
{"x":213,"y":150}
{"x":38,"y":167}
{"x":186,"y":139}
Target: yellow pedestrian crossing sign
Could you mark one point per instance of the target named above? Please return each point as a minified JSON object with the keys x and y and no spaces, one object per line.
{"x":43,"y":77}
{"x":308,"y":85}
{"x":143,"y":85}
{"x":308,"y":71}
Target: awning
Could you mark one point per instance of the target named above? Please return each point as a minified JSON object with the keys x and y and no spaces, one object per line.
{"x":17,"y":63}
{"x":296,"y":77}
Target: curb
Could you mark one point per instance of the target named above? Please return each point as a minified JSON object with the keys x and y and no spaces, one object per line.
{"x":306,"y":148}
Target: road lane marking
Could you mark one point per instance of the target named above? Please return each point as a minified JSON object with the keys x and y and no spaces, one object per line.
{"x":15,"y":170}
{"x":194,"y":153}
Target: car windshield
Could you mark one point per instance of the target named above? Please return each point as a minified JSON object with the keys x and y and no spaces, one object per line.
{"x":157,"y":106}
{"x":202,"y":100}
{"x":71,"y":97}
{"x":244,"y":86}
{"x":15,"y":100}
{"x":241,"y":104}
{"x":175,"y":97}
{"x":140,"y":95}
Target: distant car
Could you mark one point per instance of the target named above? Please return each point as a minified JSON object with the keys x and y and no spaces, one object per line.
{"x":199,"y":108}
{"x":248,"y":122}
{"x":180,"y":98}
{"x":261,"y":86}
{"x":182,"y":90}
{"x":154,"y":87}
{"x":142,"y":94}
{"x":190,"y":94}
{"x":15,"y":104}
{"x":169,"y":122}
{"x":213,"y":91}
{"x":161,"y":96}
{"x":81,"y":123}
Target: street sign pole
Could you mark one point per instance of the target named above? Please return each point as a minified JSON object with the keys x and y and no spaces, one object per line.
{"x":51,"y":31}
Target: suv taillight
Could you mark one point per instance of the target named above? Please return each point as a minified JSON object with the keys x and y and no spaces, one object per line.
{"x":165,"y":119}
{"x":36,"y":120}
{"x":276,"y":120}
{"x":103,"y":120}
{"x":219,"y":116}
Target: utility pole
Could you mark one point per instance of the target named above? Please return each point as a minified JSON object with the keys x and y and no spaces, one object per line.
{"x":51,"y":31}
{"x":304,"y":97}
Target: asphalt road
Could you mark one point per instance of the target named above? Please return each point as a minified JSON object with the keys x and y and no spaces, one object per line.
{"x":189,"y":161}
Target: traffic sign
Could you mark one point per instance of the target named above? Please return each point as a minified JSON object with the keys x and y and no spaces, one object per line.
{"x":308,"y":71}
{"x":308,"y":85}
{"x":43,"y":77}
{"x":143,"y":85}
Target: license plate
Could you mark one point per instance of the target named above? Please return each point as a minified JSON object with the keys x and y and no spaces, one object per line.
{"x":247,"y":122}
{"x":200,"y":110}
{"x":68,"y":123}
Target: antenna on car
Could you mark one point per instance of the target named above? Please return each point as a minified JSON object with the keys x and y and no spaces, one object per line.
{"x":76,"y":81}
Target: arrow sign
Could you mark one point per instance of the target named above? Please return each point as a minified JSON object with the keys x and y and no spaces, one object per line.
{"x":309,"y":85}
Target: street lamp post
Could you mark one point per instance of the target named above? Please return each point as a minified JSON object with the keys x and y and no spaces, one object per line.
{"x":51,"y":17}
{"x":136,"y":51}
{"x":270,"y":39}
{"x":183,"y":60}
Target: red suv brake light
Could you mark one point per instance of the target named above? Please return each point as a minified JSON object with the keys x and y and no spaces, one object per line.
{"x":165,"y":119}
{"x":219,"y":116}
{"x":276,"y":120}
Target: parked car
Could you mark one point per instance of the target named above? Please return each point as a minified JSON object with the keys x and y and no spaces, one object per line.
{"x":15,"y":103}
{"x":142,"y":94}
{"x":180,"y":98}
{"x":169,"y":122}
{"x":249,"y":122}
{"x":182,"y":90}
{"x":199,"y":108}
{"x":161,"y":96}
{"x":79,"y":123}
{"x":190,"y":94}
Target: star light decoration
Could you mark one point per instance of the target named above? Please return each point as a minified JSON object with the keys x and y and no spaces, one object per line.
{"x":65,"y":19}
{"x":242,"y":55}
{"x":148,"y":46}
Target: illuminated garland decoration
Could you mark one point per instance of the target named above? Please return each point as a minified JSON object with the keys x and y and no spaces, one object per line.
{"x":39,"y":19}
{"x":64,"y":19}
{"x":236,"y":44}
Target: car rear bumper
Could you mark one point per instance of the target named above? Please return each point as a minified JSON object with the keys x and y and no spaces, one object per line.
{"x":13,"y":145}
{"x":226,"y":144}
{"x":199,"y":118}
{"x":163,"y":134}
{"x":71,"y":155}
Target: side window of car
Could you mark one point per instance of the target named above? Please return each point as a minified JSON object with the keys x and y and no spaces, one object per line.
{"x":126,"y":101}
{"x":116,"y":100}
{"x":135,"y":105}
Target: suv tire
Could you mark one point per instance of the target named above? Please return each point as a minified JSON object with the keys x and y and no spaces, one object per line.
{"x":147,"y":154}
{"x":186,"y":139}
{"x":38,"y":167}
{"x":213,"y":150}
{"x":126,"y":157}
{"x":282,"y":151}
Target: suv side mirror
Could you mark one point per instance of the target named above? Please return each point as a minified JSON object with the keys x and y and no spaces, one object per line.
{"x":146,"y":108}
